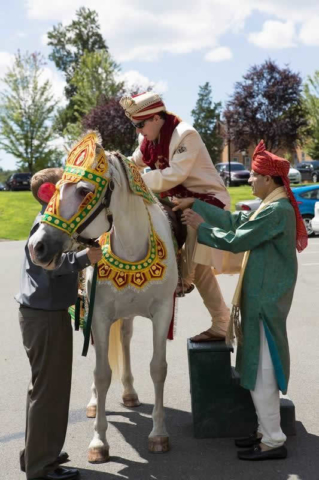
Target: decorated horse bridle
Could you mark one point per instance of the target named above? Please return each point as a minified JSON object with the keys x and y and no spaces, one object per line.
{"x":91,"y":242}
{"x":87,"y":161}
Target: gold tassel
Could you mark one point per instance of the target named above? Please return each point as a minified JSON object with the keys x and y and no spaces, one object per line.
{"x":234,"y":328}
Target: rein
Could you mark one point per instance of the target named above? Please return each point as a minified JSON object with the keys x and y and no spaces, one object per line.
{"x":92,"y":243}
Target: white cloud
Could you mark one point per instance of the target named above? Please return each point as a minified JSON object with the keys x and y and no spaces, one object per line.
{"x":309,"y":33}
{"x":274,"y":35}
{"x":57,"y":83}
{"x":144,"y":30}
{"x":219,"y":54}
{"x":133,"y":79}
{"x":44,"y":39}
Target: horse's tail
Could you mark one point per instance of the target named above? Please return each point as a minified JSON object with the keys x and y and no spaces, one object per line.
{"x":115,"y":350}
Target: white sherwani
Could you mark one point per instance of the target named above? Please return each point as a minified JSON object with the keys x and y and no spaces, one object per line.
{"x":191,"y":166}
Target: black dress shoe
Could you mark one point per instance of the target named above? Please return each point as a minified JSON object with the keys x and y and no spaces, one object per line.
{"x":61,"y":474}
{"x":62,"y":458}
{"x":247,"y":442}
{"x":256,"y":453}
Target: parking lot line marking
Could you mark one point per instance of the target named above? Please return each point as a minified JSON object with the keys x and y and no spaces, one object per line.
{"x":307,"y":264}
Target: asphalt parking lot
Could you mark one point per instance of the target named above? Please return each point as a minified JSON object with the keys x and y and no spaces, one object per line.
{"x":189,"y":458}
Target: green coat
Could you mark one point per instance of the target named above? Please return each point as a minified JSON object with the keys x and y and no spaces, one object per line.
{"x":269,"y":278}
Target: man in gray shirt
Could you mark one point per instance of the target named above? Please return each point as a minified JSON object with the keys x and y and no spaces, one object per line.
{"x":44,"y":299}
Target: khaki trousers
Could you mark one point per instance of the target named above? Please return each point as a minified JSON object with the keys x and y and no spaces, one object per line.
{"x":206,"y":283}
{"x":47,"y":339}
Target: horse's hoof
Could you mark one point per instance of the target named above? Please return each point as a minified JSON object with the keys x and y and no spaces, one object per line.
{"x":131,"y":400}
{"x":158,"y":444}
{"x":91,"y":411}
{"x":98,"y":455}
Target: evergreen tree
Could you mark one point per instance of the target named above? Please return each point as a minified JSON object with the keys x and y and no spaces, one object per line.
{"x":26,"y":109}
{"x":206,"y":116}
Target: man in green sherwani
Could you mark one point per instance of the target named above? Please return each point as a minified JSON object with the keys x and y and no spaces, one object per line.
{"x":269,"y":238}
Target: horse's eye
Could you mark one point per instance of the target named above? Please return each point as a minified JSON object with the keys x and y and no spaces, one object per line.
{"x":83,"y":191}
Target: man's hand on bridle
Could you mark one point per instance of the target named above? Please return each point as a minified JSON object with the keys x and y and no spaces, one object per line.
{"x":94,"y":254}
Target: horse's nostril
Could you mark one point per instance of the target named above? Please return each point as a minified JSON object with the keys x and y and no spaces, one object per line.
{"x":40,"y":249}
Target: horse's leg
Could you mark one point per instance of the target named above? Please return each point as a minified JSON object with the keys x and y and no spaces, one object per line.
{"x":91,"y":406}
{"x":99,"y":448}
{"x":130,"y":397}
{"x":158,"y":440}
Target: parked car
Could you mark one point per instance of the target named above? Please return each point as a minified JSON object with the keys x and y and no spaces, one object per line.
{"x":309,"y":171}
{"x":294,"y":175}
{"x":306,"y":198}
{"x":2,"y":187}
{"x":19,"y":181}
{"x":238,"y":173}
{"x":248,"y":205}
{"x":315,"y":220}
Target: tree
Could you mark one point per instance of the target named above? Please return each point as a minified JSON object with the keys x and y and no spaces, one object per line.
{"x":95,"y":82}
{"x":72,"y":41}
{"x":81,"y":53}
{"x":311,"y":98}
{"x":267,"y":105}
{"x":206,"y":116}
{"x":114,"y":127}
{"x":26,"y":109}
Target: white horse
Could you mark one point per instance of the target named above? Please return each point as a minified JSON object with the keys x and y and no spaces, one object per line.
{"x":130,"y":239}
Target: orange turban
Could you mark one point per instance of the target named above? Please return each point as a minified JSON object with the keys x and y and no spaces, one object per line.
{"x":266,"y":163}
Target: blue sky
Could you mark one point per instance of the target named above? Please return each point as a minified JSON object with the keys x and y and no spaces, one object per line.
{"x":178,"y":45}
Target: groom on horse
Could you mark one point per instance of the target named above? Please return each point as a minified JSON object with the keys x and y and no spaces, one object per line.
{"x":181,"y":167}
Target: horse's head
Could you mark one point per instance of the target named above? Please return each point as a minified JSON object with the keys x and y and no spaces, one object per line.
{"x":79,"y":206}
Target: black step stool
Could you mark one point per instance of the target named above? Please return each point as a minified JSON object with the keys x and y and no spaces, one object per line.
{"x":220,"y":406}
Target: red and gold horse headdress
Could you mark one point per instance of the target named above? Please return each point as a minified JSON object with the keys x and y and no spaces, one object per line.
{"x":86,"y":161}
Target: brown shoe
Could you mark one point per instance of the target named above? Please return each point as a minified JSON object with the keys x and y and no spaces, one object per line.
{"x":207,"y":336}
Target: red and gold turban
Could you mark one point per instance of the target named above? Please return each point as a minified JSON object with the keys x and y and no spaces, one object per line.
{"x":266,"y":163}
{"x":143,"y":106}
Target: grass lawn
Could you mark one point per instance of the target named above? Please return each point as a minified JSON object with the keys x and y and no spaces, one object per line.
{"x":17,"y":213}
{"x":18,"y":210}
{"x":240,"y":193}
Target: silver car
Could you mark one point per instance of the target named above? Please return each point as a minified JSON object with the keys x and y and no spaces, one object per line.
{"x":294,"y":175}
{"x":248,"y":205}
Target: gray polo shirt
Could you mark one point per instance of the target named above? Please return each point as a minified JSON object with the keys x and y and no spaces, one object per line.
{"x":50,"y":289}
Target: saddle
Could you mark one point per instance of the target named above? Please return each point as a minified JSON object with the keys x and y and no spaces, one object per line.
{"x":179,"y":230}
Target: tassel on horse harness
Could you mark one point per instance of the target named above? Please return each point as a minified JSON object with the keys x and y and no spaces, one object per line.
{"x":87,"y":331}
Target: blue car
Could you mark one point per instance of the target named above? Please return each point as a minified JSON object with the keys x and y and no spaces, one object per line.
{"x":306,"y":198}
